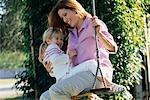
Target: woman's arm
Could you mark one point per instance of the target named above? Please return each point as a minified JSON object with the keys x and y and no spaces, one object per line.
{"x":104,"y":36}
{"x":110,"y":45}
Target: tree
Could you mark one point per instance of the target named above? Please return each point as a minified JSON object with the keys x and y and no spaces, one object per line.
{"x":11,"y":38}
{"x":35,"y":14}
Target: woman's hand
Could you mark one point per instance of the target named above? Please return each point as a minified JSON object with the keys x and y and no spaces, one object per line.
{"x":72,"y":53}
{"x":48,"y":66}
{"x":97,"y":24}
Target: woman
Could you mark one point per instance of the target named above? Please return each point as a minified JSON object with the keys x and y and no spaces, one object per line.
{"x":69,"y":14}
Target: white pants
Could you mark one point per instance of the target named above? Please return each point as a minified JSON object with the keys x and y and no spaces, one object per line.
{"x":80,"y":78}
{"x":64,"y":89}
{"x":91,"y":65}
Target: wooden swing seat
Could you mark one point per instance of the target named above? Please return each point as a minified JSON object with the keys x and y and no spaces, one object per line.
{"x":92,"y":94}
{"x":87,"y":96}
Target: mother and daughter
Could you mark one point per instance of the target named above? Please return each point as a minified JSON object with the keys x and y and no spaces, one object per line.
{"x":75,"y":71}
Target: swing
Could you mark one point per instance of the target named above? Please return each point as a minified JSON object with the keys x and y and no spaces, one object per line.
{"x":93,"y":94}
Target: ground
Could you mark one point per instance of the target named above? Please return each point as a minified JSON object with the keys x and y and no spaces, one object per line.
{"x":6,"y":90}
{"x":7,"y":81}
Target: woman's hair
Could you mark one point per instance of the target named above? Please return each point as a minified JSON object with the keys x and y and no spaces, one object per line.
{"x":48,"y":34}
{"x":56,"y":21}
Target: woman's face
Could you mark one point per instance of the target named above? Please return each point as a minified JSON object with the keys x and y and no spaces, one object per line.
{"x":69,"y":16}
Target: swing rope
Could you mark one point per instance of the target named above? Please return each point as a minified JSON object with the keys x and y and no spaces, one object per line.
{"x":97,"y":53}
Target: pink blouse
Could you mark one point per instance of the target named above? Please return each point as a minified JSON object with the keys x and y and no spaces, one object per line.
{"x":85,"y":45}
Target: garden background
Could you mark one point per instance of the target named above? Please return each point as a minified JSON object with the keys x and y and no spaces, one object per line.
{"x":24,"y":21}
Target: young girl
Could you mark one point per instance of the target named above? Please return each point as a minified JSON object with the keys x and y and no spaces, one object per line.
{"x":50,"y":51}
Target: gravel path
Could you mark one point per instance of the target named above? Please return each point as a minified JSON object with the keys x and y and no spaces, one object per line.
{"x":7,"y":81}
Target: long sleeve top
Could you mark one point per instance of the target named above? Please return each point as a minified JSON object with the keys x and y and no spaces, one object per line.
{"x":60,"y":61}
{"x":85,"y":44}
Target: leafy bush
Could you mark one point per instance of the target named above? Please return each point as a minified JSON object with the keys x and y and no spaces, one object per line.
{"x":125,"y":20}
{"x":35,"y":80}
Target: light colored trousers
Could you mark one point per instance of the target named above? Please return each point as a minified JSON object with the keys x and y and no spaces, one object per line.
{"x":72,"y":86}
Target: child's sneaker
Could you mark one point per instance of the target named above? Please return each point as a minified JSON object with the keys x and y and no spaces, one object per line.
{"x":127,"y":95}
{"x":117,"y":88}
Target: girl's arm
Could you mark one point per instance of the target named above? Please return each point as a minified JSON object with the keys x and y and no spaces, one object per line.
{"x":59,"y":59}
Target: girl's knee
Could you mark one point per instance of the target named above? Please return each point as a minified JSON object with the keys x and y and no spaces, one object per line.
{"x":45,"y":96}
{"x":53,"y":91}
{"x":60,"y":89}
{"x":42,"y":97}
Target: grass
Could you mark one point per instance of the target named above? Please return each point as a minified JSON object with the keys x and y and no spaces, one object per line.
{"x":11,"y":60}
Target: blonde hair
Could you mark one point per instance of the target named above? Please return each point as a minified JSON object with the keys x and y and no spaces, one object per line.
{"x":55,"y":20}
{"x":48,"y":34}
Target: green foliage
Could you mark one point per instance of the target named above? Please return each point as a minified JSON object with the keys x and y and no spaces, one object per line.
{"x":130,"y":37}
{"x":11,"y":38}
{"x":146,"y":5}
{"x":125,"y":19}
{"x":35,"y":78}
{"x":11,"y":60}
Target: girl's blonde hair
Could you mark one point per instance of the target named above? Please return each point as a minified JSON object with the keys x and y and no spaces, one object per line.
{"x":48,"y":34}
{"x":55,"y":20}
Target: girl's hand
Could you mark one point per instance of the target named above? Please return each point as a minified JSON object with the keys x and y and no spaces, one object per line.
{"x":48,"y":66}
{"x":72,"y":53}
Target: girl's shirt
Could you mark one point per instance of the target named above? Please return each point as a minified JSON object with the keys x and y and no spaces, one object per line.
{"x":60,"y":61}
{"x":85,"y":44}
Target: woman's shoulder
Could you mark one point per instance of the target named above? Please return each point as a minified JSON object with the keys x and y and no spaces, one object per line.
{"x":103,"y":25}
{"x":88,"y":18}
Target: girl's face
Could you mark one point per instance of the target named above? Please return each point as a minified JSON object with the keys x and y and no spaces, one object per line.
{"x":57,"y":39}
{"x":69,"y":16}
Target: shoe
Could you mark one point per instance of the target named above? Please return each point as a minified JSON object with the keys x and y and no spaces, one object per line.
{"x":127,"y":95}
{"x":117,"y":88}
